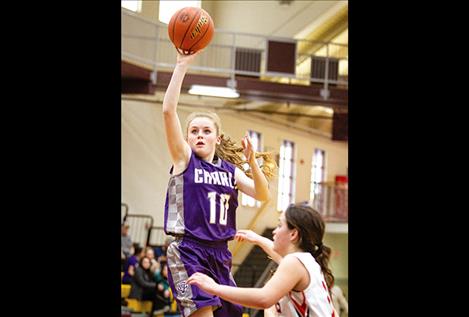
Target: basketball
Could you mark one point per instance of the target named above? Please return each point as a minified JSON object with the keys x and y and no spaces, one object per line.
{"x":190,"y":29}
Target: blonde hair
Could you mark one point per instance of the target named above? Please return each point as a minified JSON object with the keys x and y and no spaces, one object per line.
{"x":229,"y":151}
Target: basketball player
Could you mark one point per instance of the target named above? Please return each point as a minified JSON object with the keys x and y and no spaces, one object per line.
{"x":300,"y":285}
{"x":202,"y":198}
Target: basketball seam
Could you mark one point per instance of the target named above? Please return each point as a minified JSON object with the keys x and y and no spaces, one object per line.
{"x":175,"y":20}
{"x":200,"y":13}
{"x":201,"y":37}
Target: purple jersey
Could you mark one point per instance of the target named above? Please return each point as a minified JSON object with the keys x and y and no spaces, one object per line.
{"x":201,"y":202}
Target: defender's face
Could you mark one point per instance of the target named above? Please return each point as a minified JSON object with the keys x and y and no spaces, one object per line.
{"x":281,"y":236}
{"x":202,"y":137}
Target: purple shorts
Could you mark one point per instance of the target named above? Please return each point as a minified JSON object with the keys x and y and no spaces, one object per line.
{"x":187,"y":256}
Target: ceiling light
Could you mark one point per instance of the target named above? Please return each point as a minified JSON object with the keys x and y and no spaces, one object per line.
{"x":213,"y":91}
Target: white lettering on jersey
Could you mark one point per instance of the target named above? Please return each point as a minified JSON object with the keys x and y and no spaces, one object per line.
{"x":215,"y":178}
{"x":197,"y":178}
{"x":224,"y":179}
{"x":207,"y":177}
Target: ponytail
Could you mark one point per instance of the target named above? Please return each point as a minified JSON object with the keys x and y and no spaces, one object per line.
{"x":322,"y":256}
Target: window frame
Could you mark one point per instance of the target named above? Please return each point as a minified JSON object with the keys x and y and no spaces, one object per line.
{"x":137,"y":2}
{"x":282,"y":204}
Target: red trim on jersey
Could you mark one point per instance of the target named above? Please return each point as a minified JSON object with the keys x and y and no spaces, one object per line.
{"x":301,"y":309}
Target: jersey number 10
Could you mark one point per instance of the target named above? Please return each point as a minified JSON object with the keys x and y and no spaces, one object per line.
{"x":224,"y":198}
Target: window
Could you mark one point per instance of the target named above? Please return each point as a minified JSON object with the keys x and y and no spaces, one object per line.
{"x":256,"y":144}
{"x":167,"y":8}
{"x":318,"y":172}
{"x":132,"y":5}
{"x":286,"y":181}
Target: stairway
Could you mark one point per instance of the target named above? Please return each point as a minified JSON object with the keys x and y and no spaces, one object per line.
{"x":251,"y":270}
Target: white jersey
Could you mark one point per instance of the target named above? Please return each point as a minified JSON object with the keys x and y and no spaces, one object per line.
{"x":314,"y":301}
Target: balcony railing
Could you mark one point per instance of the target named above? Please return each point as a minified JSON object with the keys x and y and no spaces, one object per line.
{"x":331,"y":200}
{"x":234,"y":53}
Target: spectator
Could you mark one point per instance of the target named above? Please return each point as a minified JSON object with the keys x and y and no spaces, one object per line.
{"x":143,"y":285}
{"x":339,"y":300}
{"x":162,"y":293}
{"x":126,"y":243}
{"x":131,"y":263}
{"x":150,"y":253}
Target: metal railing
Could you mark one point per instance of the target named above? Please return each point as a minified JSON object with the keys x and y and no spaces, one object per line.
{"x":146,"y":42}
{"x":139,"y":225}
{"x":250,"y":267}
{"x":252,"y":281}
{"x":156,"y":236}
{"x":331,"y":200}
{"x":265,"y":276}
{"x":142,"y":229}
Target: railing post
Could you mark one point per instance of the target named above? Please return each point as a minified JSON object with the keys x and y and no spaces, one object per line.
{"x":325,"y":92}
{"x":232,"y":82}
{"x":155,"y":54}
{"x":149,"y":232}
{"x":126,"y":211}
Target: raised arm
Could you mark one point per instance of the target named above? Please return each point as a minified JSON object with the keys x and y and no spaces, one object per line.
{"x":266,"y":244}
{"x":258,"y":186}
{"x":289,"y":273}
{"x":178,"y":147}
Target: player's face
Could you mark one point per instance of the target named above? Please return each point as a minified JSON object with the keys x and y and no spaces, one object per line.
{"x":202,"y":137}
{"x":281,"y":236}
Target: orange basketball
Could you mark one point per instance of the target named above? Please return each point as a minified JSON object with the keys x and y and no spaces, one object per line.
{"x":190,"y":29}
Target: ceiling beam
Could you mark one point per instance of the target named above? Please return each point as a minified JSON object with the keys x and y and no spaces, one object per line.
{"x":259,"y":90}
{"x":136,"y":79}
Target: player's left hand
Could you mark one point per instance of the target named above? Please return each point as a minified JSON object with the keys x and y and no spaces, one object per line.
{"x":248,"y":149}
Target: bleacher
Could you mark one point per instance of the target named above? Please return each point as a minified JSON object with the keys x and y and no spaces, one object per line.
{"x":152,"y":236}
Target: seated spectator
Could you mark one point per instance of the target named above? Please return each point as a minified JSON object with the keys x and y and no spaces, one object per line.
{"x":126,"y":243}
{"x":143,"y":285}
{"x":162,"y":293}
{"x":150,"y":253}
{"x":131,"y":263}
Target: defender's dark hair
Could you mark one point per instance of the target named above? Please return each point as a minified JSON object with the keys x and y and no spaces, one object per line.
{"x":311,"y":227}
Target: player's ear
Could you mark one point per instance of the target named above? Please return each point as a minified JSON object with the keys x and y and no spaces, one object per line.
{"x":219,"y":139}
{"x":294,"y":235}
